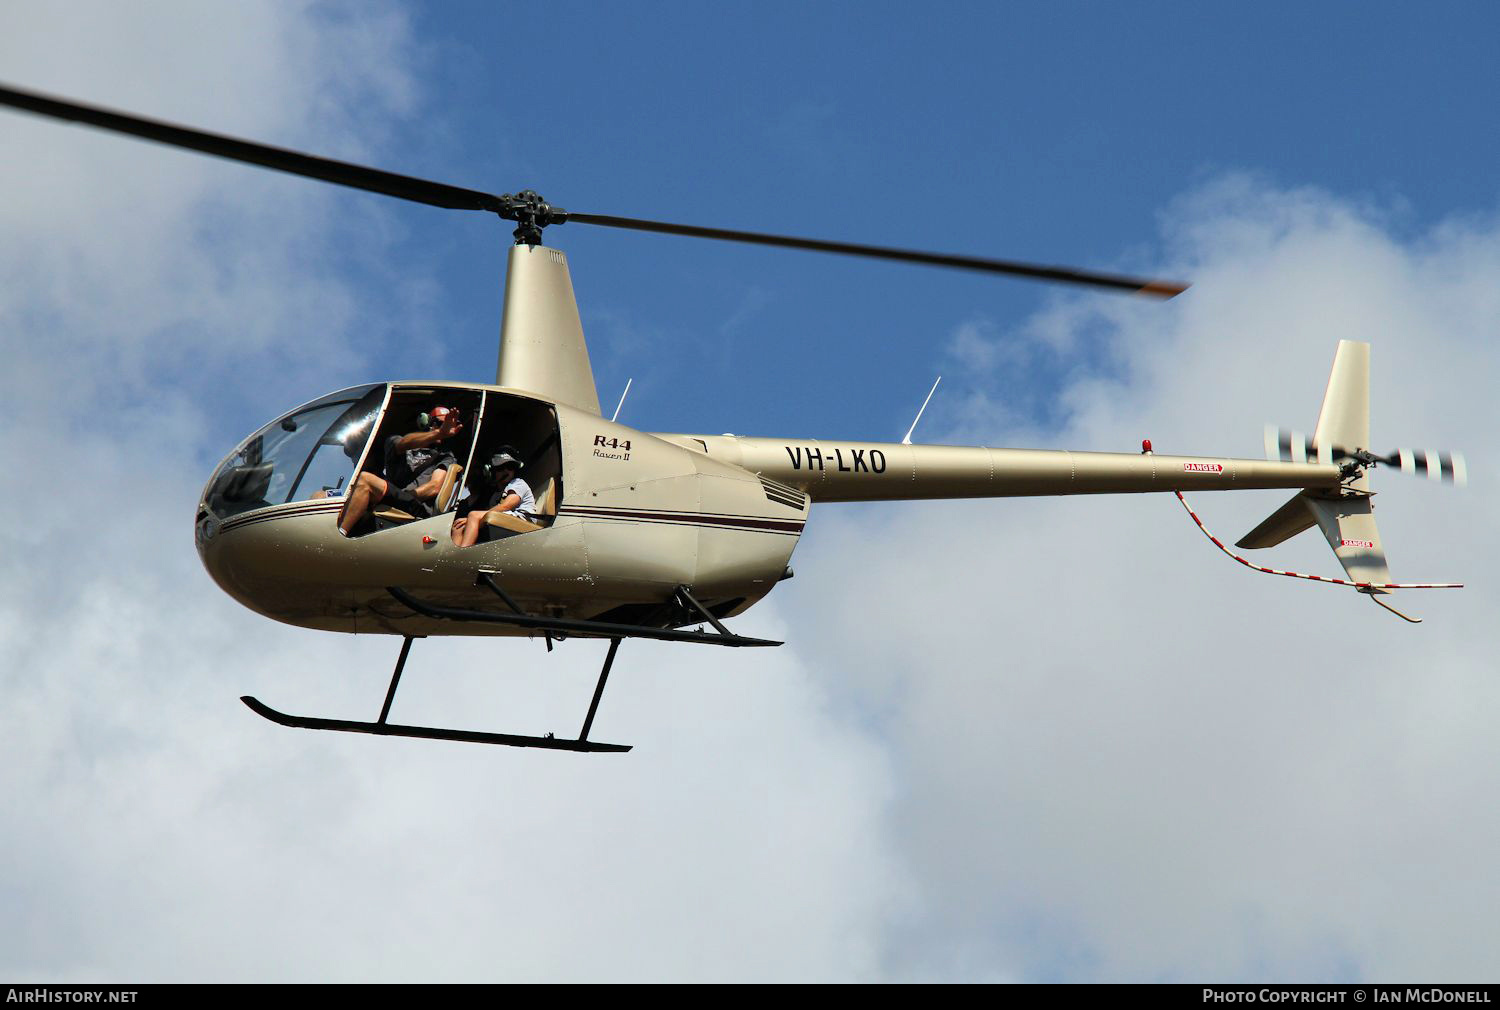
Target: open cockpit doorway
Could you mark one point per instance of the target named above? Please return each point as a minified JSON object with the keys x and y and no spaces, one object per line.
{"x":426,"y":474}
{"x":525,"y":429}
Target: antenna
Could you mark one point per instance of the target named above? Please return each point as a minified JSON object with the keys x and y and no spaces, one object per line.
{"x":622,"y":400}
{"x":907,"y":439}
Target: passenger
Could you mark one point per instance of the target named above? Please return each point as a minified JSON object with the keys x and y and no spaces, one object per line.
{"x":509,"y":493}
{"x":415,"y":465}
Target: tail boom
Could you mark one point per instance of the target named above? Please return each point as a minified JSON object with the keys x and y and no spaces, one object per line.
{"x":838,"y":471}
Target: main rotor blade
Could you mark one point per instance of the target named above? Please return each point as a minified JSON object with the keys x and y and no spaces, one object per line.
{"x":526,"y":206}
{"x":1066,"y":275}
{"x":343,"y":173}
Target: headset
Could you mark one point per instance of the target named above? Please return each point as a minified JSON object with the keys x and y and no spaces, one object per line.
{"x":503,"y":456}
{"x":435,"y":419}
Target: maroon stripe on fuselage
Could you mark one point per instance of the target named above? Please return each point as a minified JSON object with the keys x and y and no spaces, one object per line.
{"x":278,"y":512}
{"x":685,"y":518}
{"x":757,"y":523}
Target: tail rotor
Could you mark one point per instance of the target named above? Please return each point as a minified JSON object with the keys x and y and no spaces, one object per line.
{"x":1345,"y":515}
{"x":1295,"y":447}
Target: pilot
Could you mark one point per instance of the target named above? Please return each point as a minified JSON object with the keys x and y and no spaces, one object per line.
{"x":415,"y":465}
{"x":509,"y":494}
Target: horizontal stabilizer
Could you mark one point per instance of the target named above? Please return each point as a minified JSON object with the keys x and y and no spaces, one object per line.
{"x":1281,"y":525}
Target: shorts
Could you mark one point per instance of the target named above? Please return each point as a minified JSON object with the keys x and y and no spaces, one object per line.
{"x":402,"y":498}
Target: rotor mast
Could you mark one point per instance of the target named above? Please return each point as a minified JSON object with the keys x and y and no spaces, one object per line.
{"x":542,"y":349}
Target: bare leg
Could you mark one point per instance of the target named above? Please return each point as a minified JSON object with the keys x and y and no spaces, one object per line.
{"x":458,"y":532}
{"x":366,"y":490}
{"x":472,"y":526}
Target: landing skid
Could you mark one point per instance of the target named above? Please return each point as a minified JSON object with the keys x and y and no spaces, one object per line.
{"x":551,"y":627}
{"x":427,"y":732}
{"x":383,"y":728}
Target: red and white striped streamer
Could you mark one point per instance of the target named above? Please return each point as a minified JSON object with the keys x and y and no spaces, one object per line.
{"x":1362,"y":586}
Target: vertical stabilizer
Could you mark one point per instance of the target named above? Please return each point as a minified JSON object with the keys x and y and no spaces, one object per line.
{"x":1345,"y":418}
{"x":541,"y":337}
{"x":1345,"y":515}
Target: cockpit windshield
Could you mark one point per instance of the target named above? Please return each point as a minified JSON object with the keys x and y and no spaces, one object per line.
{"x":309,"y":453}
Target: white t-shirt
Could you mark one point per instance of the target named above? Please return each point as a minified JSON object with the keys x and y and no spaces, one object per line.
{"x":527,"y":508}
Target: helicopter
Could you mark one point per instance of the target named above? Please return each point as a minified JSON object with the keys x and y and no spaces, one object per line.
{"x":645,"y":535}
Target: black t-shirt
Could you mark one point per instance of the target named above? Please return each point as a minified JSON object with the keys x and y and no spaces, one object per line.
{"x":406,"y":470}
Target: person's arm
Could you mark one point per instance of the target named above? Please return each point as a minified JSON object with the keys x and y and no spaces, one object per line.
{"x":419,"y":439}
{"x":508,"y":503}
{"x":429,"y":488}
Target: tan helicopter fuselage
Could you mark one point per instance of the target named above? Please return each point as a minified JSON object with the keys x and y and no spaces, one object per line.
{"x":635,"y":517}
{"x":627,"y":534}
{"x":638,"y":514}
{"x":631,"y":516}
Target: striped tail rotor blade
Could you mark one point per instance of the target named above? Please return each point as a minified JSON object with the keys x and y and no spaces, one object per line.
{"x":1296,"y":446}
{"x":1434,"y":465}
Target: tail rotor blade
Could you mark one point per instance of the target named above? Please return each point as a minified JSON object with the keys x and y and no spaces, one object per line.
{"x":1290,"y":446}
{"x":1297,"y":446}
{"x":1449,"y":467}
{"x":1459,"y":468}
{"x":1294,"y":447}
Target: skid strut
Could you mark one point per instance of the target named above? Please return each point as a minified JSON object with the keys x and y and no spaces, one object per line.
{"x":584,"y":628}
{"x":381,"y":727}
{"x":686,"y":604}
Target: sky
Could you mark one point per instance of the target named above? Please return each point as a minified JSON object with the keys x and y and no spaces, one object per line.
{"x":1029,"y":740}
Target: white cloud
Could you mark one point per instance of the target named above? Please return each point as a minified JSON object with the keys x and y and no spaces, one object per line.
{"x":1124,"y":757}
{"x":151,"y":302}
{"x":1034,"y":739}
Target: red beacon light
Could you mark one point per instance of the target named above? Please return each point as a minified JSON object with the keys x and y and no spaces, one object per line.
{"x":1145,"y":447}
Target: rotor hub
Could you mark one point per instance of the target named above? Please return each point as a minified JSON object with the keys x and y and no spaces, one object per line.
{"x":531,"y":214}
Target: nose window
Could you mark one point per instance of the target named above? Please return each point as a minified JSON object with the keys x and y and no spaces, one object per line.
{"x":309,"y":453}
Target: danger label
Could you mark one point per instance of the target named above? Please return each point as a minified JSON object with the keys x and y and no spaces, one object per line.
{"x":1357,"y":543}
{"x":1203,"y":467}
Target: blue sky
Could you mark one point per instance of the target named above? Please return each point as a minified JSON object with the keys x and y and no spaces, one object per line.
{"x":1020,"y":740}
{"x":1051,"y":132}
{"x":1056,"y":133}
